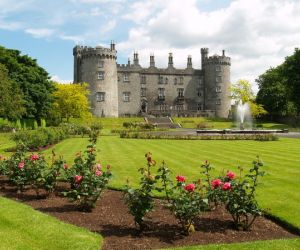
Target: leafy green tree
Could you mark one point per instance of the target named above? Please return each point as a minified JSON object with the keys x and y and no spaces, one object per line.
{"x":242,"y":91}
{"x":32,"y":80}
{"x":71,"y":100}
{"x":273,"y":92}
{"x":291,"y":70}
{"x":11,"y":98}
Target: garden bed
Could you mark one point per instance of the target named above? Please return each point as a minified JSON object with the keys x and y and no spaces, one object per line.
{"x":111,"y":219}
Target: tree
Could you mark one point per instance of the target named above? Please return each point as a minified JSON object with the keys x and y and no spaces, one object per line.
{"x":32,"y":80}
{"x":291,"y":70}
{"x":273,"y":92}
{"x":242,"y":92}
{"x":11,"y":98}
{"x":71,"y":100}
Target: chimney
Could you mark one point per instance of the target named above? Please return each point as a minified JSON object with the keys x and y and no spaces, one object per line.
{"x":189,"y":62}
{"x":204,"y":56}
{"x":152,"y":62}
{"x":223,"y":53}
{"x":136,"y":58}
{"x":128,"y":62}
{"x":170,"y":64}
{"x":112,"y":46}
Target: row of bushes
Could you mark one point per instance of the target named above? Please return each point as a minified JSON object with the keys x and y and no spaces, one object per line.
{"x":86,"y":177}
{"x":42,"y":137}
{"x":24,"y":124}
{"x":187,"y":200}
{"x":142,"y":135}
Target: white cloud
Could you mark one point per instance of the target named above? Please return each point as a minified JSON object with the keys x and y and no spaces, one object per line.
{"x":56,"y":78}
{"x":75,"y":39}
{"x":40,"y":33}
{"x":256,"y":34}
{"x":110,"y":25}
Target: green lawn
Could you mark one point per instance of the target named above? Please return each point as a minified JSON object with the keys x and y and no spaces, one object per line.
{"x":22,"y":227}
{"x":279,"y":192}
{"x":5,"y":142}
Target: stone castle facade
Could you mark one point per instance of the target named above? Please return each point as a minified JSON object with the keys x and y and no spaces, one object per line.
{"x":129,"y":90}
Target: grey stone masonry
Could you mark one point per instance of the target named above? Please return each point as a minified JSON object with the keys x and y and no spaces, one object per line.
{"x":130,"y":90}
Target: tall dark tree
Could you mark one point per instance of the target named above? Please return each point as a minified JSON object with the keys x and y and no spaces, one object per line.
{"x":291,"y":70}
{"x":11,"y":97}
{"x":32,"y":79}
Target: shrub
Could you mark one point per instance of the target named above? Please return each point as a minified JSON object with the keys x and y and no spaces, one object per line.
{"x":238,"y":195}
{"x":87,"y":178}
{"x":204,"y":125}
{"x":140,"y":201}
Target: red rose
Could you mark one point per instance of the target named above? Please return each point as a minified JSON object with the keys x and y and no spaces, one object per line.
{"x":98,"y":173}
{"x":190,"y":187}
{"x":34,"y":157}
{"x":216,"y":183}
{"x":230,"y":175}
{"x":66,"y":166}
{"x":226,"y":186}
{"x":21,"y":165}
{"x":78,"y":179}
{"x":180,"y":178}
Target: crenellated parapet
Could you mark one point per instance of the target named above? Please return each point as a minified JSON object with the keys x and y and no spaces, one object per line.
{"x":98,"y":51}
{"x":218,"y":60}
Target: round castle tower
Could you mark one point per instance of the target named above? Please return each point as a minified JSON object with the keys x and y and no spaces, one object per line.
{"x":216,"y":83}
{"x":97,"y":66}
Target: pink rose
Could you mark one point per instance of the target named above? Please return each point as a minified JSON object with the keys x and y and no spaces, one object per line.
{"x":34,"y":157}
{"x":98,"y":173}
{"x":98,"y":166}
{"x":216,"y":183}
{"x":180,"y":178}
{"x":230,"y":175}
{"x":226,"y":186}
{"x":190,"y":187}
{"x":21,"y":165}
{"x":78,"y":179}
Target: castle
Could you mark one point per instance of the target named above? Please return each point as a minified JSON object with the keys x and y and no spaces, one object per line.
{"x":129,"y":90}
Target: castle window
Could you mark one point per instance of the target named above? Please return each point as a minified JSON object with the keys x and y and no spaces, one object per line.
{"x":218,"y":68}
{"x":181,"y":80}
{"x":161,"y":93}
{"x":175,"y":80}
{"x":143,"y":92}
{"x":200,"y":83}
{"x":218,"y":102}
{"x":160,"y":80}
{"x":100,"y":96}
{"x":125,"y":77}
{"x":100,"y":75}
{"x":166,"y":80}
{"x":180,"y":92}
{"x":100,"y":64}
{"x":143,"y":79}
{"x":126,"y":96}
{"x":219,"y":79}
{"x":218,"y":89}
{"x":162,"y":107}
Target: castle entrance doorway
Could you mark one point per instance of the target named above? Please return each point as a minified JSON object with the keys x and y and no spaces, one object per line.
{"x":144,"y":107}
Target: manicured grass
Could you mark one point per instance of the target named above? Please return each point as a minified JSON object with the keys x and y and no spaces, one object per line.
{"x":279,"y":192}
{"x":288,"y":244}
{"x":5,"y":142}
{"x":22,"y":227}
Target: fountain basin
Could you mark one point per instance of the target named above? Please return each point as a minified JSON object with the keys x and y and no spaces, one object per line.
{"x":241,"y":131}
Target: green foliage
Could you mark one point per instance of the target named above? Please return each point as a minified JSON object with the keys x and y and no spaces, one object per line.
{"x":140,"y":200}
{"x":242,"y":92}
{"x":71,"y":100}
{"x":32,"y":80}
{"x":35,"y":139}
{"x":87,"y":178}
{"x":11,"y":98}
{"x":279,"y":87}
{"x":43,"y":123}
{"x":238,"y":195}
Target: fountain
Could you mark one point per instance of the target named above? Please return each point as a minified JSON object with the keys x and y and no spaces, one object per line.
{"x":243,"y":113}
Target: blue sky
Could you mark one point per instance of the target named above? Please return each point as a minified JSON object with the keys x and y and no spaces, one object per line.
{"x":256,"y":34}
